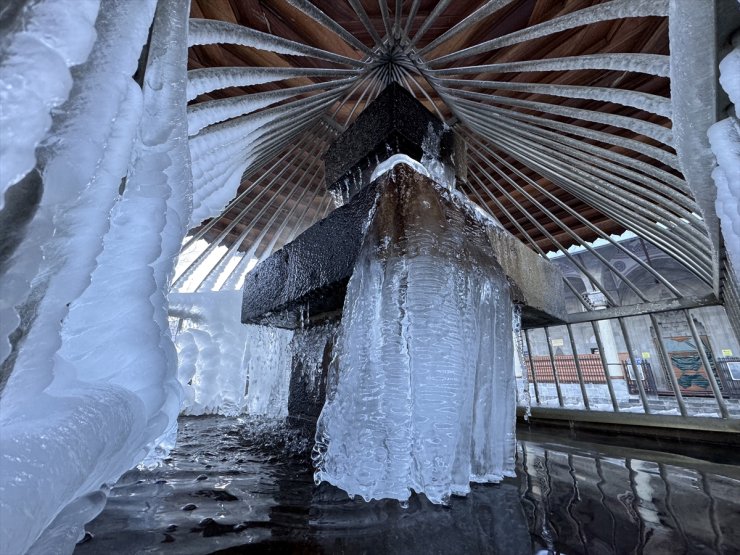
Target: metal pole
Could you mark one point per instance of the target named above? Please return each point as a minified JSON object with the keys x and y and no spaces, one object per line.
{"x":578,"y":367}
{"x":633,"y":362}
{"x":705,"y":360}
{"x":552,"y":362}
{"x":667,"y":365}
{"x":580,"y":218}
{"x":521,"y":230}
{"x":605,"y":364}
{"x":531,"y":366}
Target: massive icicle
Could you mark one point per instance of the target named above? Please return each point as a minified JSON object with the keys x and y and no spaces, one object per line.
{"x":82,"y":166}
{"x":106,"y":384}
{"x":423,"y":392}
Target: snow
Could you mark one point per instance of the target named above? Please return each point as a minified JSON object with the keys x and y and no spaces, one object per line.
{"x":423,"y":392}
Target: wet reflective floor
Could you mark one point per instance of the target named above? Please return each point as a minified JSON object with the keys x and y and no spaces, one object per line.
{"x":239,"y":486}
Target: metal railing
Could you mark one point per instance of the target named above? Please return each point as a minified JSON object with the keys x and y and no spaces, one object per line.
{"x":650,"y":375}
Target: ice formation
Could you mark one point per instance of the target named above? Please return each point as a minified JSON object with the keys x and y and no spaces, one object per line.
{"x":208,"y":31}
{"x":724,"y":137}
{"x":422,"y":393}
{"x":268,"y":359}
{"x":652,"y":64}
{"x":640,"y":100}
{"x":90,"y":270}
{"x":222,"y":152}
{"x":431,"y":159}
{"x":214,"y":111}
{"x":387,"y":165}
{"x":209,"y":79}
{"x":651,"y":130}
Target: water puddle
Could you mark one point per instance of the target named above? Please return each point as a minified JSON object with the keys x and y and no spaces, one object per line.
{"x":245,"y":486}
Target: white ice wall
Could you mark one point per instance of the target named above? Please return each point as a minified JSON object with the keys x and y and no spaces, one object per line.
{"x":220,"y":358}
{"x":212,"y":369}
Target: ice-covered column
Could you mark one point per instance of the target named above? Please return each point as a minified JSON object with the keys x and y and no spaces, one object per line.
{"x":422,"y":396}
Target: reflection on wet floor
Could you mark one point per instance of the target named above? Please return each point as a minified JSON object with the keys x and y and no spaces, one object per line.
{"x":238,"y":486}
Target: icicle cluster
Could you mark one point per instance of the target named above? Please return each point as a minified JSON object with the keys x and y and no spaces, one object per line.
{"x":423,"y":393}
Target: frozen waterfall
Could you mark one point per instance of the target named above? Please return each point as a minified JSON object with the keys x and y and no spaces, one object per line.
{"x":422,"y":393}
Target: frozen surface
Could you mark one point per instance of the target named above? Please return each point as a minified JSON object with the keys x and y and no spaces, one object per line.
{"x":258,"y":496}
{"x":729,"y":69}
{"x":46,"y":401}
{"x":724,"y":137}
{"x":213,"y":111}
{"x":209,"y":79}
{"x":652,"y":64}
{"x":222,"y":152}
{"x":423,"y":392}
{"x":209,"y":31}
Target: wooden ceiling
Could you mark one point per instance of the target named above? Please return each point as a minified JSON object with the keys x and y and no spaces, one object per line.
{"x":526,"y":211}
